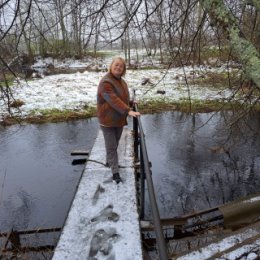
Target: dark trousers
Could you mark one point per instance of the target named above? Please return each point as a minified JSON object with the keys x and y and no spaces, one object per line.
{"x":112,"y":136}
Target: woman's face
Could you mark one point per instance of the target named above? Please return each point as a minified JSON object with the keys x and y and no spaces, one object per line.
{"x":117,"y":68}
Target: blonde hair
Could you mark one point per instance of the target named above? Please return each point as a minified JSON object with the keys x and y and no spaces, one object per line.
{"x":122,"y":60}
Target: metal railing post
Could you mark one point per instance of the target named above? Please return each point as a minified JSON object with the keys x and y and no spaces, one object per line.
{"x":141,"y":164}
{"x":142,"y":185}
{"x":136,"y":139}
{"x":135,"y":130}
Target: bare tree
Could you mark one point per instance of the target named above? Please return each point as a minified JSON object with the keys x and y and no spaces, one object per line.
{"x":178,"y":31}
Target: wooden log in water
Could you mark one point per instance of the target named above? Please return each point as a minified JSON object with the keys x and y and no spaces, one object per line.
{"x":78,"y":161}
{"x":79,"y":152}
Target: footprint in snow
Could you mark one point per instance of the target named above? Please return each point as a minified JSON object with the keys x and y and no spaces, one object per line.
{"x":102,"y":242}
{"x":106,"y":214}
{"x":98,"y":191}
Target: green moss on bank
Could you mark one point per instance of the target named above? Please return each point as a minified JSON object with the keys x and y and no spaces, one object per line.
{"x":148,"y":107}
{"x":195,"y":106}
{"x":52,"y":116}
{"x":219,"y":80}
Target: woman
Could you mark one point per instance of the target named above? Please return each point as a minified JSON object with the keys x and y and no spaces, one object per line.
{"x":113,"y":106}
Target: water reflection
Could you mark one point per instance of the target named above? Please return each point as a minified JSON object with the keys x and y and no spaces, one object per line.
{"x":18,"y":209}
{"x":197,"y":163}
{"x":200,"y":163}
{"x":37,"y":180}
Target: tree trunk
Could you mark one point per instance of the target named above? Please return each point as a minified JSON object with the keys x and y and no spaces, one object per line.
{"x":243,"y":48}
{"x":60,"y":9}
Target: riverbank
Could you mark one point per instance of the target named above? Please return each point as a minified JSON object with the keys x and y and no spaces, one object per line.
{"x":54,"y":116}
{"x":65,"y":97}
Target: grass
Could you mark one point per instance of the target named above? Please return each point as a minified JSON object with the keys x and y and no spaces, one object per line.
{"x":17,"y":103}
{"x":100,"y":54}
{"x":223,"y":54}
{"x":51,"y":116}
{"x":184,"y":105}
{"x":223,"y":80}
{"x":148,"y":107}
{"x":218,"y":79}
{"x":8,"y":81}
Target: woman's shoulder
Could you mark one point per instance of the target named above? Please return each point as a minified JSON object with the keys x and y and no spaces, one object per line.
{"x":108,"y":77}
{"x":105,"y":78}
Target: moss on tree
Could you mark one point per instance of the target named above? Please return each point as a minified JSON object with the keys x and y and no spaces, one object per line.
{"x":243,"y":48}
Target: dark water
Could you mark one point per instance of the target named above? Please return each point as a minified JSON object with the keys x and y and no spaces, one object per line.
{"x":199,"y":163}
{"x":37,"y":180}
{"x":193,"y":167}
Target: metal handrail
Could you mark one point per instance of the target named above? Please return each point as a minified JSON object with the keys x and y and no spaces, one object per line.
{"x":155,"y":212}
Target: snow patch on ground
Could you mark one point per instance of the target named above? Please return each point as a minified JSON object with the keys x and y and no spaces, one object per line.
{"x":224,"y":244}
{"x":252,"y":200}
{"x":78,"y":90}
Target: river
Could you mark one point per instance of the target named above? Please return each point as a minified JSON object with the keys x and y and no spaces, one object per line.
{"x":198,"y":161}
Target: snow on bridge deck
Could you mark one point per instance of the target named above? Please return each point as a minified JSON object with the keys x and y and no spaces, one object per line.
{"x":103,"y":221}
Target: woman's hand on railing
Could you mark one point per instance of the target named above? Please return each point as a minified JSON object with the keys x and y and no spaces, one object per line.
{"x":133,"y":113}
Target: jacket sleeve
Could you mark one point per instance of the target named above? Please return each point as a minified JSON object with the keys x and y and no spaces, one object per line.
{"x":108,"y":93}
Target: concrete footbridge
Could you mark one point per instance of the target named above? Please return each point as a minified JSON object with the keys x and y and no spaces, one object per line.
{"x":103,"y":222}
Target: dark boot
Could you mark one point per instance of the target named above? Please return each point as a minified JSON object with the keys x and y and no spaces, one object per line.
{"x":117,"y":178}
